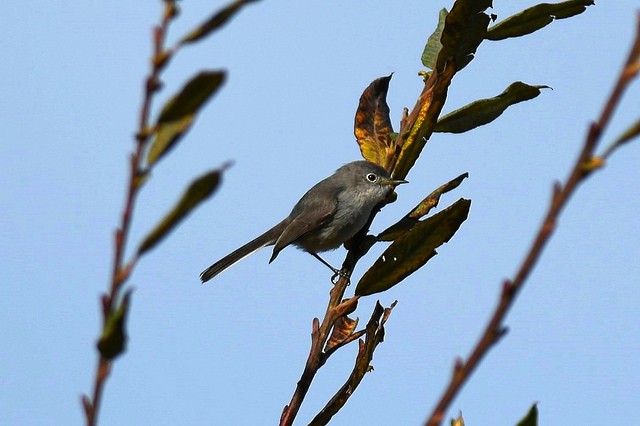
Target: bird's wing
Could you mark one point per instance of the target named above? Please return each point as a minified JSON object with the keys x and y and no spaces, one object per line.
{"x":310,"y":217}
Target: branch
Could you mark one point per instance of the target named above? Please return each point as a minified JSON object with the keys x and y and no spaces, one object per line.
{"x":321,"y":332}
{"x":374,"y":336}
{"x":120,"y":271}
{"x":584,"y":165}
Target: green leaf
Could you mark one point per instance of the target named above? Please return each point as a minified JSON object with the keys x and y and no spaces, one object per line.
{"x":179,"y":112}
{"x":535,"y":18}
{"x":192,"y":96}
{"x":433,"y":46}
{"x":531,"y":419}
{"x":484,"y":111}
{"x":216,"y":21}
{"x":114,"y":336}
{"x":413,"y":249}
{"x":465,"y":28}
{"x":167,"y":135}
{"x":421,"y":210}
{"x":631,"y":133}
{"x":199,"y":190}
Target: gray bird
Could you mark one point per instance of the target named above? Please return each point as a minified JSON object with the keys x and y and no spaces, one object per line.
{"x":329,"y":214}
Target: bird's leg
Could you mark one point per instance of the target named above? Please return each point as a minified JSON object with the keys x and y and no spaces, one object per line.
{"x":337,"y":273}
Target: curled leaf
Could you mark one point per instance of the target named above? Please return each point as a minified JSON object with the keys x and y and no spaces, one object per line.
{"x":199,"y":190}
{"x":535,"y":18}
{"x":179,"y":112}
{"x":372,"y":126}
{"x":342,"y":329}
{"x":484,"y":111}
{"x":413,"y":249}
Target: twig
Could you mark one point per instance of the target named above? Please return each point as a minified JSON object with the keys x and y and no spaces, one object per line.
{"x":374,"y":336}
{"x":584,"y":165}
{"x":321,"y":332}
{"x":120,"y":271}
{"x":319,"y":335}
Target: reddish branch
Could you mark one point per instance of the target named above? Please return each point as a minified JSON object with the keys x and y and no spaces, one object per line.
{"x":321,"y":331}
{"x":585,"y":164}
{"x":120,"y":271}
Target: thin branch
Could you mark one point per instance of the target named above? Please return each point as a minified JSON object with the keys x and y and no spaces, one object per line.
{"x":582,"y":168}
{"x":319,"y":336}
{"x":321,"y":332}
{"x":120,"y":272}
{"x":374,"y":336}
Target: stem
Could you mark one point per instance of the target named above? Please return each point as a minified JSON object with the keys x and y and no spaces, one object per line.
{"x":120,"y":272}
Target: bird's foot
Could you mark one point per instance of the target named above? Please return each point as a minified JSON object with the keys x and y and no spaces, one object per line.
{"x":339,"y":273}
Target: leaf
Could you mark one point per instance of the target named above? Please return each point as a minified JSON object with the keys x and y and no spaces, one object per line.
{"x":372,"y":126}
{"x":531,"y":419}
{"x":167,"y":135}
{"x":458,"y":421}
{"x":179,"y":112}
{"x":465,"y":28}
{"x":216,"y":21}
{"x":484,"y":111}
{"x":199,"y":190}
{"x":421,"y":210}
{"x":631,"y":133}
{"x":433,"y":46}
{"x":342,"y":329}
{"x":114,"y":336}
{"x":535,"y":18}
{"x":413,"y":249}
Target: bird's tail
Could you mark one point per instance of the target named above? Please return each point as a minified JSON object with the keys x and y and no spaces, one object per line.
{"x":266,"y":239}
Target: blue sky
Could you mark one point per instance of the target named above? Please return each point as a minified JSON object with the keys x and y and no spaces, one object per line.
{"x":231,"y":352}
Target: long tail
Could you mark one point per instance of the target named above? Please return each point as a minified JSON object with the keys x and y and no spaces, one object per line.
{"x":266,"y":239}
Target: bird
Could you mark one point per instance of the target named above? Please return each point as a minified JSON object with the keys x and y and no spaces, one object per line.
{"x":326,"y":216}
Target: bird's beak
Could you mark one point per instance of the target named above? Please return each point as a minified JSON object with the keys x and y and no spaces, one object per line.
{"x":393,"y":182}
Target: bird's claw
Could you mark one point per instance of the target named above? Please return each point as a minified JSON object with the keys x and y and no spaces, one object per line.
{"x":339,"y":273}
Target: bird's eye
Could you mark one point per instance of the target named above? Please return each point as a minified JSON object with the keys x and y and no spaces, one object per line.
{"x":371,"y":177}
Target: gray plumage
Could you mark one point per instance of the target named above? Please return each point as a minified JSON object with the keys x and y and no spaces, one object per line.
{"x":326,"y":216}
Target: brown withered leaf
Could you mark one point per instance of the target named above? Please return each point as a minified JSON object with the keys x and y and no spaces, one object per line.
{"x":372,"y":126}
{"x":342,"y":329}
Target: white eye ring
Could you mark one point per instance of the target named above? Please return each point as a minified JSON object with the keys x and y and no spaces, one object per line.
{"x":371,"y":177}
